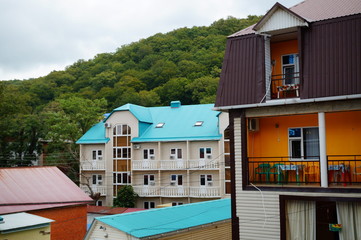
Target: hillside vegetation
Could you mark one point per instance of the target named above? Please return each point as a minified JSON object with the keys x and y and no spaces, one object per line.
{"x":184,"y":64}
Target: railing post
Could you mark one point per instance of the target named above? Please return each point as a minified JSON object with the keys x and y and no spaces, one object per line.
{"x":323,"y":156}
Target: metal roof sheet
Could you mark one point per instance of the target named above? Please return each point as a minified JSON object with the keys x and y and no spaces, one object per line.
{"x":94,"y":135}
{"x":316,"y":10}
{"x":15,"y":221}
{"x":30,"y":188}
{"x":165,"y":220}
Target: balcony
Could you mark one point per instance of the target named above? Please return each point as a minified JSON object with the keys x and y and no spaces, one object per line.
{"x":342,"y":171}
{"x":175,"y":164}
{"x":177,"y":191}
{"x":92,"y":165}
{"x":285,"y":86}
{"x":96,"y":189}
{"x":147,"y":191}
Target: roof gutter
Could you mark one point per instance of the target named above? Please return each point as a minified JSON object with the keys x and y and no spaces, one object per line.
{"x":288,"y":102}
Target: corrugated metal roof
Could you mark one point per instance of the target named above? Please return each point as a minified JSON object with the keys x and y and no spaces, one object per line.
{"x":316,"y":10}
{"x":178,"y":123}
{"x":164,"y":220}
{"x":15,"y":221}
{"x":95,"y":134}
{"x":30,"y":188}
{"x":111,"y":210}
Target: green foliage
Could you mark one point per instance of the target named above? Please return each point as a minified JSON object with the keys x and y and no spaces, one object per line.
{"x":184,"y":64}
{"x":126,"y":197}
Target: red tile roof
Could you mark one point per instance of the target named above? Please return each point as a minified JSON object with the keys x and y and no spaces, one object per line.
{"x":317,"y":10}
{"x":30,"y":188}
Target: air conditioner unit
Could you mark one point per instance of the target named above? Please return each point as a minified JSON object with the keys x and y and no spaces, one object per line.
{"x":100,"y":183}
{"x":151,"y":157}
{"x":253,"y":124}
{"x":100,"y":158}
{"x":171,"y":157}
{"x":152,"y":183}
{"x":209,"y":156}
{"x":172,"y":183}
{"x":108,"y":125}
{"x":210,"y":184}
{"x":136,"y":146}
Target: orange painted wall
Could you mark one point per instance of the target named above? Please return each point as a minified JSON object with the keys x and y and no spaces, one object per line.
{"x":272,"y":141}
{"x":282,"y":48}
{"x":343,"y":134}
{"x":70,"y":222}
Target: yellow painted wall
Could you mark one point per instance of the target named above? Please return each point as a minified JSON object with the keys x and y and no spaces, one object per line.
{"x":32,"y":234}
{"x":343,"y":134}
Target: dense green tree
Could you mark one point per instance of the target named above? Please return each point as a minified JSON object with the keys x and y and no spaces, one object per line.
{"x":126,"y":197}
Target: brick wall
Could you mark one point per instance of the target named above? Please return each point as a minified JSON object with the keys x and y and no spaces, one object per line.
{"x":70,"y":222}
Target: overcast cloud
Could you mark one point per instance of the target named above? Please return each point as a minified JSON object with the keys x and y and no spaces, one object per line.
{"x":39,"y":36}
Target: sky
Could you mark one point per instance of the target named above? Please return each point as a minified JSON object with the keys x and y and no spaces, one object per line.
{"x":40,"y":36}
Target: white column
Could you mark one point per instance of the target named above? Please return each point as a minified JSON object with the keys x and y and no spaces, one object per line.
{"x":323,"y":156}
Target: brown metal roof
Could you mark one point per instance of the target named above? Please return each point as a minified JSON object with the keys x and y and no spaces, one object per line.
{"x":111,"y":210}
{"x":30,"y":188}
{"x":317,"y":10}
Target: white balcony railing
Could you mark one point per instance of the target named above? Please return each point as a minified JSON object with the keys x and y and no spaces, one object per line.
{"x":147,"y":191}
{"x":174,"y":164}
{"x":204,"y":192}
{"x":178,"y":191}
{"x":144,"y":164}
{"x":92,"y":165}
{"x":204,"y":164}
{"x":96,"y":189}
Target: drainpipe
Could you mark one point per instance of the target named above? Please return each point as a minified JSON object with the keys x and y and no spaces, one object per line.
{"x":323,"y":156}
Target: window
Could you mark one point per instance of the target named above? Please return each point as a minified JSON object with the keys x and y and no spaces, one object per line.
{"x":148,"y":154}
{"x":206,"y":180}
{"x":120,"y":178}
{"x":205,"y":153}
{"x":148,"y":205}
{"x":97,"y":179}
{"x":290,"y":69}
{"x":198,"y":123}
{"x":99,"y":203}
{"x":149,"y":179}
{"x":304,"y":143}
{"x":121,"y":130}
{"x":176,"y":153}
{"x":160,"y":125}
{"x":97,"y":155}
{"x":177,"y":203}
{"x":122,"y":152}
{"x":176,"y":180}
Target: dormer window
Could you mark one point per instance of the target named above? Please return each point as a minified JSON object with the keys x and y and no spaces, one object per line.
{"x":159,"y":125}
{"x":198,"y":123}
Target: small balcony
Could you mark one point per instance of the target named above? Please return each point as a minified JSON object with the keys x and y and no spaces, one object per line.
{"x":342,"y":171}
{"x":147,"y":191}
{"x":202,"y":164}
{"x":178,"y":191}
{"x":285,"y":86}
{"x":95,"y":189}
{"x":204,"y":192}
{"x":89,"y":165}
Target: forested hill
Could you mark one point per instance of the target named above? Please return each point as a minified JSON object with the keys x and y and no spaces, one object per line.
{"x":184,"y":64}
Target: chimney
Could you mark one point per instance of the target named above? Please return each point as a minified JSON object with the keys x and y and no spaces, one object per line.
{"x":175,"y":104}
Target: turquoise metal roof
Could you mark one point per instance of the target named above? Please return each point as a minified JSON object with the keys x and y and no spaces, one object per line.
{"x":179,"y":124}
{"x":164,"y":220}
{"x":141,"y":113}
{"x":95,"y":134}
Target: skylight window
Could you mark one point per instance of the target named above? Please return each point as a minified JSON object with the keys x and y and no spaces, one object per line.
{"x":198,"y":123}
{"x":159,"y":125}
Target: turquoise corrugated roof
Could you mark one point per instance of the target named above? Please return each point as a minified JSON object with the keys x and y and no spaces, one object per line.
{"x":179,"y":124}
{"x":141,"y":113}
{"x":164,"y":220}
{"x":95,"y":134}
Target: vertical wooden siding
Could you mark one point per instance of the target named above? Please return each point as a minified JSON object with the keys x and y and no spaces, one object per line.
{"x":332,"y":58}
{"x":242,"y":77}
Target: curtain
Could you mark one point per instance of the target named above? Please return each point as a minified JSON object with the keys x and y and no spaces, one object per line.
{"x":300,"y":220}
{"x":349,"y":215}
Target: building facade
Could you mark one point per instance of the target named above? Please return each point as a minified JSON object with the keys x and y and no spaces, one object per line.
{"x":292,"y":87}
{"x":174,"y":154}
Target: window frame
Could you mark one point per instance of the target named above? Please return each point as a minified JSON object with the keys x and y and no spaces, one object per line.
{"x":122,"y":174}
{"x":98,"y":156}
{"x":295,"y":66}
{"x":178,"y":179}
{"x":150,"y":156}
{"x":208,"y":180}
{"x":301,"y":138}
{"x":206,"y":155}
{"x":150,"y":204}
{"x":148,"y":177}
{"x":175,"y":155}
{"x":98,"y":179}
